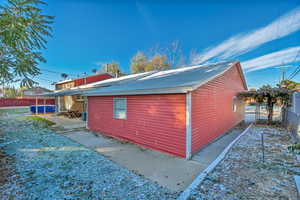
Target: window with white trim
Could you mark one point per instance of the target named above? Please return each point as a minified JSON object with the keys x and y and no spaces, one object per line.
{"x":120,"y":108}
{"x":234,"y":104}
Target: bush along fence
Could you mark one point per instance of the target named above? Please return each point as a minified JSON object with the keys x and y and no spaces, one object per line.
{"x":10,"y":102}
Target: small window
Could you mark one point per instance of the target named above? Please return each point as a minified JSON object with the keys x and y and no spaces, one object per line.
{"x":234,"y":104}
{"x":79,"y":98}
{"x":120,"y":108}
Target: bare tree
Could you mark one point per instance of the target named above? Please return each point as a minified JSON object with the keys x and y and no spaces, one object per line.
{"x":192,"y":56}
{"x":172,"y":52}
{"x":113,"y":68}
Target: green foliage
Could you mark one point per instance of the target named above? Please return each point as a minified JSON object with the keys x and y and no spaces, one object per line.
{"x":267,"y":93}
{"x":94,"y":71}
{"x":291,"y":85}
{"x":64,"y":76}
{"x":40,"y":121}
{"x":294,"y":147}
{"x":22,"y":37}
{"x":270,"y":96}
{"x":140,"y":63}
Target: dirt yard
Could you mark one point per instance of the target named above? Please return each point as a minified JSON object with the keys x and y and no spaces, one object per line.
{"x":244,"y":175}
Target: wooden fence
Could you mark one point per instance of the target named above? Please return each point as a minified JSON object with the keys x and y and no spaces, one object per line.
{"x":10,"y":102}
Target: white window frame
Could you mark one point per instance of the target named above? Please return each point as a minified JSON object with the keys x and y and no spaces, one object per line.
{"x":117,"y":108}
{"x":234,"y":104}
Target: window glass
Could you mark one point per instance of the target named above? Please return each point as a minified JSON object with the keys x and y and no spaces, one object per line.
{"x":120,"y":108}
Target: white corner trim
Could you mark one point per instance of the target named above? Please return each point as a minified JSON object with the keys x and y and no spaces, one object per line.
{"x":188,"y":123}
{"x":58,"y":104}
{"x":87,"y":112}
{"x":187,"y":192}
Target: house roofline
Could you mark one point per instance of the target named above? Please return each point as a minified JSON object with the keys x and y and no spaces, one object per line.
{"x":87,"y":76}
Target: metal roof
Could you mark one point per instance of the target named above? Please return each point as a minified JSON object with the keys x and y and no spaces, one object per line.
{"x":104,"y":83}
{"x":180,"y":80}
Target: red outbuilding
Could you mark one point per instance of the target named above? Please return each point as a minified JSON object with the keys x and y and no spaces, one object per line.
{"x":175,"y":111}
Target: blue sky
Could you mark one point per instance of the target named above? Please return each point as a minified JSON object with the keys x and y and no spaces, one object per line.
{"x":89,"y":31}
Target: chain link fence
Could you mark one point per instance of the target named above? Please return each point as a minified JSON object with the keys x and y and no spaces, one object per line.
{"x":293,"y":124}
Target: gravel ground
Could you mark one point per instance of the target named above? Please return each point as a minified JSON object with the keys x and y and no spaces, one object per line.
{"x":243,"y":175}
{"x":37,"y":163}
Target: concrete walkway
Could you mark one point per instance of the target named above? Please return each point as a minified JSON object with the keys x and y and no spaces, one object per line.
{"x":209,"y":153}
{"x":169,"y":171}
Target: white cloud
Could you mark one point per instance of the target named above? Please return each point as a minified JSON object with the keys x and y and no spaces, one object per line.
{"x":277,"y":58}
{"x":242,"y":43}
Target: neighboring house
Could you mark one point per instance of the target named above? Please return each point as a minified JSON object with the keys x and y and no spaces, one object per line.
{"x":34,"y":92}
{"x":65,"y":101}
{"x":175,"y":111}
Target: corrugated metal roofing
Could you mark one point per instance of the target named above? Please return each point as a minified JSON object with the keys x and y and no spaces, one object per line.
{"x":171,"y":81}
{"x":179,"y":80}
{"x":104,"y":83}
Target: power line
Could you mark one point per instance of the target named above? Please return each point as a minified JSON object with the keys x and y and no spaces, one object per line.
{"x":44,"y":79}
{"x":297,"y":70}
{"x":55,"y":72}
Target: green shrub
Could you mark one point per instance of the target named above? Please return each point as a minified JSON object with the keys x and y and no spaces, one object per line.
{"x":294,"y":147}
{"x":40,"y":121}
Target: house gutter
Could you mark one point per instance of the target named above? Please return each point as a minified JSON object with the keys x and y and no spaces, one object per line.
{"x":188,"y":124}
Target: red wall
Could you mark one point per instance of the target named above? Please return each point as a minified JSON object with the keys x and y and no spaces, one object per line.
{"x":91,"y":79}
{"x":153,"y":121}
{"x":158,"y":121}
{"x":212,"y":112}
{"x":8,"y":102}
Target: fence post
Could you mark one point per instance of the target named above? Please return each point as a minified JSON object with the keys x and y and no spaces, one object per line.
{"x":44,"y":106}
{"x":36,"y":105}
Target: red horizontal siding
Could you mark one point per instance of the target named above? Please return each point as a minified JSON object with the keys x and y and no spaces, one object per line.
{"x":153,"y":121}
{"x":99,"y":77}
{"x":78,"y":82}
{"x":91,"y":79}
{"x":212,"y":113}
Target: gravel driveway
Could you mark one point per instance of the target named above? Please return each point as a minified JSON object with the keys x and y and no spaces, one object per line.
{"x":243,"y":175}
{"x":45,"y":165}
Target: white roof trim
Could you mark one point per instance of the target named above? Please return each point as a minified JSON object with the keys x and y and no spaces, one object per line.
{"x":175,"y":90}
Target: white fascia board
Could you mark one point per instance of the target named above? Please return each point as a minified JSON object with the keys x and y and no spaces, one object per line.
{"x":140,"y":92}
{"x":87,"y":113}
{"x":188,"y":124}
{"x":216,"y":76}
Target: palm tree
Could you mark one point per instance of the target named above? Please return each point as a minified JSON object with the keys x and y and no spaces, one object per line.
{"x":64,"y":76}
